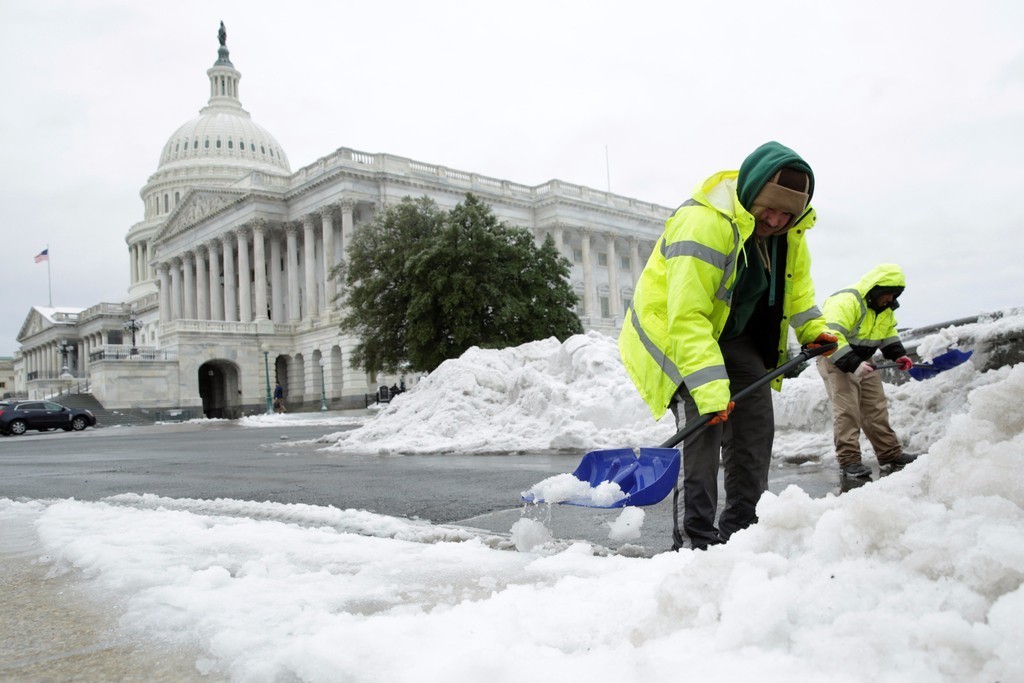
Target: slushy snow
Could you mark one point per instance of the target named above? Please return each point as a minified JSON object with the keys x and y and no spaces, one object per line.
{"x":916,"y":577}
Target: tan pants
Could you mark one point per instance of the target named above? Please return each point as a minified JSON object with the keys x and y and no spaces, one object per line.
{"x":858,"y":404}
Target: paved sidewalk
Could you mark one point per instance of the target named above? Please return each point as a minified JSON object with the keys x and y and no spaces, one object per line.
{"x":51,"y":630}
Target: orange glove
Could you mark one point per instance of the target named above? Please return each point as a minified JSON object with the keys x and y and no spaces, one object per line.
{"x":825,"y":338}
{"x":722,"y":415}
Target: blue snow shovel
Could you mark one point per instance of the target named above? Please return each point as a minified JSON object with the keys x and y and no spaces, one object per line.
{"x":946,"y":361}
{"x":648,"y":477}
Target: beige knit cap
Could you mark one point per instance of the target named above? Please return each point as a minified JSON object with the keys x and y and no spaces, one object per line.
{"x":787,"y":191}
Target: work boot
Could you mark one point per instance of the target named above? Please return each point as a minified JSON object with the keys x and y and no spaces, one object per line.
{"x":897,"y":463}
{"x":856,"y":470}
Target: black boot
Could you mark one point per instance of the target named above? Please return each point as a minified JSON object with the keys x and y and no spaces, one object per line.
{"x":856,"y":470}
{"x":897,"y":463}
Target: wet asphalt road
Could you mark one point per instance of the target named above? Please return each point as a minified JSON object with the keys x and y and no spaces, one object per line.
{"x":223,"y":459}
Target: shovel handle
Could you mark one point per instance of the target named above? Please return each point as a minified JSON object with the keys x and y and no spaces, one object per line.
{"x":806,"y":353}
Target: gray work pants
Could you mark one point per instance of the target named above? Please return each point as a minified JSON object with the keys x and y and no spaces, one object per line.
{"x":742,"y":446}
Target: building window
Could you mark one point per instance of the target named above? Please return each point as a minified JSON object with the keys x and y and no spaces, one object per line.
{"x":218,"y":143}
{"x":602,"y":258}
{"x":206,"y":143}
{"x":167,"y":206}
{"x":195,"y":144}
{"x":231,"y":145}
{"x":605,"y":307}
{"x":577,"y":255}
{"x":625,"y":304}
{"x":177,"y":198}
{"x":625,"y":263}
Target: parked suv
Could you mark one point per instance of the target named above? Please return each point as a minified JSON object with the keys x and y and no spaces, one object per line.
{"x":17,"y":417}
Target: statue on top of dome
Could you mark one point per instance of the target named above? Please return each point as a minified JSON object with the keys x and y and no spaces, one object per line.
{"x":222,"y":35}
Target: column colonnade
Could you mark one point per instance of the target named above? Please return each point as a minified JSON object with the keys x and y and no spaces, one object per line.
{"x":259,"y":271}
{"x":619,"y":281}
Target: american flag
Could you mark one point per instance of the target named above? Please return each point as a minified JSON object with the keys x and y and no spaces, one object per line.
{"x":44,"y":255}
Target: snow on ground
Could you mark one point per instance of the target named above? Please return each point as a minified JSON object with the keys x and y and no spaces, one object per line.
{"x":915,"y":577}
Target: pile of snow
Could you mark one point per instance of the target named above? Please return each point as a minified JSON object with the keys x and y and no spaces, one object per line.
{"x":576,"y":396}
{"x":565,"y":488}
{"x":541,"y":396}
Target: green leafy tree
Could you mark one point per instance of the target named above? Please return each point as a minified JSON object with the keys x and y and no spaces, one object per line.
{"x":424,"y":285}
{"x":377,"y":289}
{"x":483,"y":283}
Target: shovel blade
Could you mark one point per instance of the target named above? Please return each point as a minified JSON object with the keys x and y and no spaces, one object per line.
{"x":645,"y":478}
{"x":945,"y":361}
{"x":950,"y":359}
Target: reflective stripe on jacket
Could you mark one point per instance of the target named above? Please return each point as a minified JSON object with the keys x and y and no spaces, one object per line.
{"x":860,"y":329}
{"x":681,"y":302}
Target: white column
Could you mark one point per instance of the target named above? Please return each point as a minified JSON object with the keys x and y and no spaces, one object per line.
{"x":176,"y":289}
{"x":216,"y":287}
{"x":202,"y":285}
{"x":614,"y":296}
{"x":330,"y":286}
{"x":133,"y":256}
{"x":259,"y":262}
{"x":634,"y":260}
{"x":588,"y":274}
{"x":347,"y":226}
{"x":309,"y":265}
{"x":558,"y":235}
{"x":230,"y":281}
{"x":244,"y":283}
{"x":276,"y":288}
{"x":189,"y":307}
{"x":293,"y":271}
{"x":165,"y":292}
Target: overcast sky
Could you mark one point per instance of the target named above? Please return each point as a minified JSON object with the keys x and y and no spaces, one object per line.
{"x":910,"y":113}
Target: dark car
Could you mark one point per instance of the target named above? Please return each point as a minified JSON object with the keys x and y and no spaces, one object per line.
{"x":17,"y":417}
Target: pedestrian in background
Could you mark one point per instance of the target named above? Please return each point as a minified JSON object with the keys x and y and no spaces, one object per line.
{"x":279,"y":399}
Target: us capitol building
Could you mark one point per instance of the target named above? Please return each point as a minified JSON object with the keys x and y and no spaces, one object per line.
{"x":228,"y":291}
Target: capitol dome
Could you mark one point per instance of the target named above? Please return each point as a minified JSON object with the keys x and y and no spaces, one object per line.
{"x":224,"y":133}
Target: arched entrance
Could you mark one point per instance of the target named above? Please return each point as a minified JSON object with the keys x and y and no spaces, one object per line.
{"x":219,"y":390}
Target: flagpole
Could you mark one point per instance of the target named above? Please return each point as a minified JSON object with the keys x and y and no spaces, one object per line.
{"x":49,"y":282}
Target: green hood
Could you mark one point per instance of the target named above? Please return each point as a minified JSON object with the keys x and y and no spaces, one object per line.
{"x":762,"y":164}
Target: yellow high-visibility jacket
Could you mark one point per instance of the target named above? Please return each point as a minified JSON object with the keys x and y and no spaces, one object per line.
{"x":681,"y":302}
{"x":860,"y":329}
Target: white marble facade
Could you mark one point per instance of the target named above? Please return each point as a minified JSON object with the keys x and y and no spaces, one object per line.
{"x":228,"y":269}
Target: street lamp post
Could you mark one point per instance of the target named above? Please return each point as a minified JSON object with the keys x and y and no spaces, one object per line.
{"x":66,"y":347}
{"x":266,"y":367}
{"x":133,"y":325}
{"x":323,"y":388}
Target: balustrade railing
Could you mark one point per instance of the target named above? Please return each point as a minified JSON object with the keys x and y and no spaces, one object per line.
{"x":348,"y":157}
{"x":127,"y":352}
